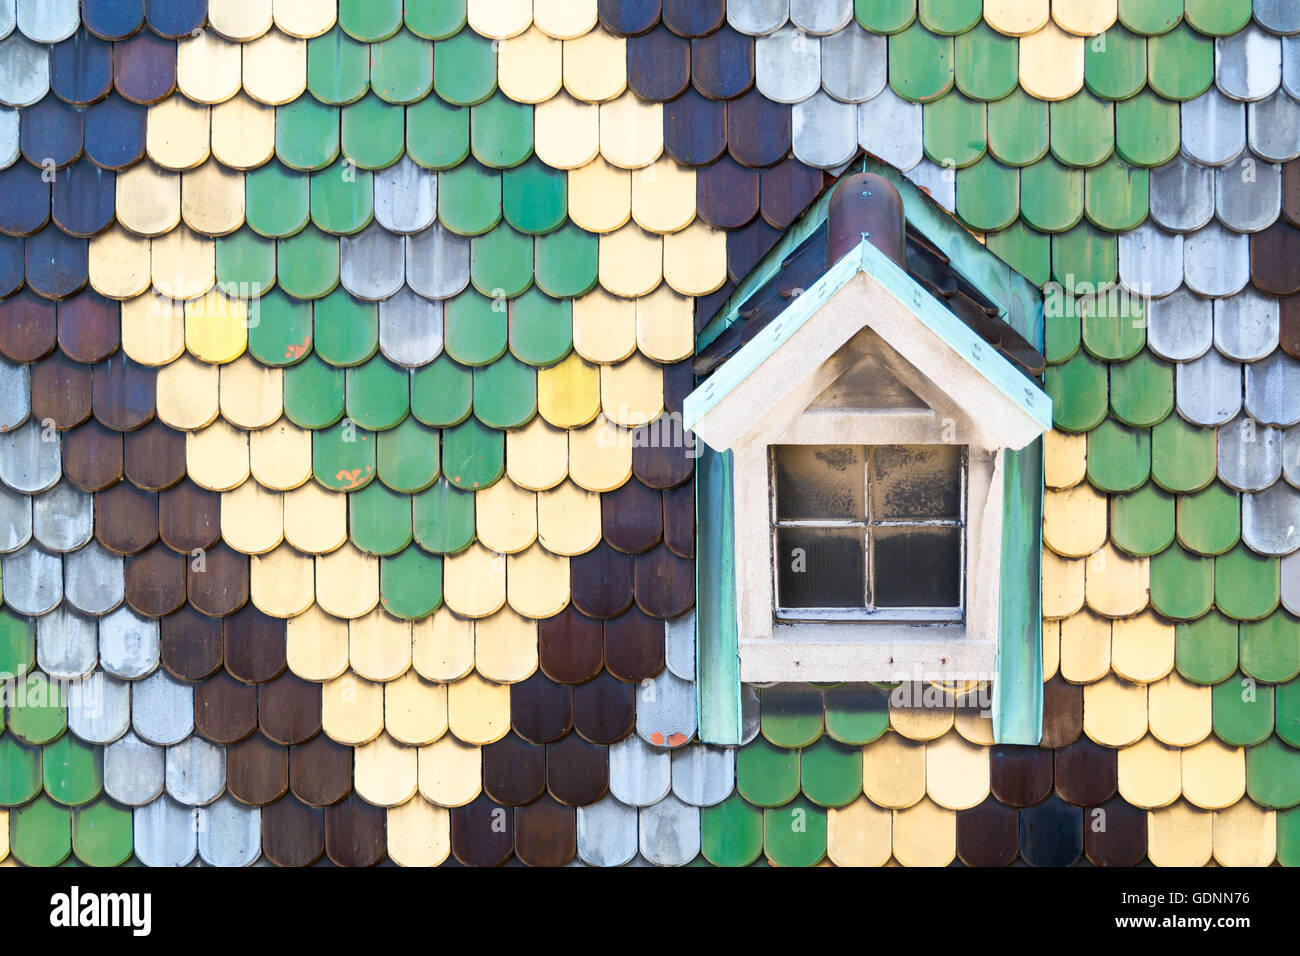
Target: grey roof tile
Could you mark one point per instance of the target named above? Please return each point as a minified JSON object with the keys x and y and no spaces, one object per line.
{"x":230,"y":834}
{"x":638,"y":773}
{"x":49,"y":21}
{"x":371,"y":265}
{"x":1275,"y":127}
{"x":410,"y":328}
{"x":8,"y":18}
{"x":679,"y":645}
{"x":607,"y":832}
{"x":99,"y":708}
{"x":1291,"y":65}
{"x":854,"y":64}
{"x":1290,"y":567}
{"x":757,"y":17}
{"x":24,"y":70}
{"x":67,"y":644}
{"x":1182,"y":195}
{"x":196,"y":771}
{"x":1273,"y":390}
{"x":1208,"y":389}
{"x":1180,"y":327}
{"x":1270,"y":519}
{"x":32,"y":580}
{"x":29,"y":463}
{"x":1248,"y":64}
{"x":1279,"y":16}
{"x":939,"y":182}
{"x":890,"y":127}
{"x":1215,"y":261}
{"x":15,"y":380}
{"x":15,"y":520}
{"x":9,"y":143}
{"x":1151,"y":260}
{"x":824,"y":131}
{"x":1250,"y":455}
{"x":704,"y":775}
{"x":63,"y":517}
{"x":129,"y":645}
{"x":1291,"y":455}
{"x":133,"y":770}
{"x":749,"y":713}
{"x":162,"y":708}
{"x":166,"y":833}
{"x":666,"y":709}
{"x":670,"y":832}
{"x":93,"y":579}
{"x":1248,"y":196}
{"x":1246,"y":325}
{"x":406,"y":196}
{"x":788,"y":65}
{"x":821,"y":16}
{"x":437,"y":262}
{"x":1213,"y":128}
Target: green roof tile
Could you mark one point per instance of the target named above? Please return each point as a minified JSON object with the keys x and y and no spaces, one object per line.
{"x":347,"y":329}
{"x":307,"y":265}
{"x":1115,"y":63}
{"x":731,"y":833}
{"x":435,"y":19}
{"x":476,"y":328}
{"x":1026,"y":250}
{"x":379,"y":519}
{"x":102,"y":834}
{"x":1078,"y":391}
{"x":987,"y":64}
{"x":473,"y":455}
{"x":1084,"y":259}
{"x":1243,"y":711}
{"x":1119,"y":457}
{"x":1114,"y":329}
{"x":1270,"y":648}
{"x":1182,"y":455}
{"x":70,"y":771}
{"x":17,"y":642}
{"x":534,"y":197}
{"x":1146,"y":129}
{"x":40,"y":834}
{"x":343,"y":456}
{"x":795,"y":835}
{"x":407,"y":456}
{"x":246,"y":263}
{"x":470,"y":199}
{"x":1182,"y":584}
{"x":950,"y":17}
{"x":1288,"y":837}
{"x":377,"y":394}
{"x":920,"y":63}
{"x":505,"y":393}
{"x":313,"y":393}
{"x":1180,"y":64}
{"x":410,"y":584}
{"x":338,"y":68}
{"x":401,"y":68}
{"x":955,"y":130}
{"x":20,"y":771}
{"x":1115,"y":196}
{"x":1017,"y":126}
{"x":766,"y":775}
{"x":831,"y":773}
{"x":1051,"y":195}
{"x":1217,"y":17}
{"x":1287,"y":699}
{"x":442,"y":518}
{"x":1150,"y":17}
{"x":277,"y":201}
{"x":884,"y":16}
{"x":441,"y":392}
{"x":540,"y":328}
{"x":36,"y":713}
{"x":567,"y":262}
{"x":1083,"y":130}
{"x":1245,"y":584}
{"x":342,"y":198}
{"x":370,"y":20}
{"x":1209,"y":521}
{"x":437,"y":133}
{"x":791,"y":714}
{"x":856,"y":713}
{"x":1273,"y":774}
{"x":465,"y":68}
{"x":306,"y":134}
{"x":1141,"y":390}
{"x":282,"y":333}
{"x":373,"y":132}
{"x":501,"y":132}
{"x":1206,"y":649}
{"x":501,"y":262}
{"x":1142,"y":522}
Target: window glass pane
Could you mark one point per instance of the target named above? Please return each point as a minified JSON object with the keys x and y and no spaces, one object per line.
{"x":916,"y":567}
{"x":820,"y":481}
{"x":916,"y":481}
{"x":820,"y":567}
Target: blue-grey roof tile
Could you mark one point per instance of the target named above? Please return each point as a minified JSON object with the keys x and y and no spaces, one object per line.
{"x":1250,"y":455}
{"x":1274,"y":124}
{"x":679,"y":645}
{"x":196,"y":771}
{"x":437,"y":262}
{"x":890,"y":127}
{"x":1248,"y":64}
{"x":670,"y":832}
{"x":63,"y":517}
{"x":1273,"y":390}
{"x":788,"y":65}
{"x":406,"y":196}
{"x":1270,"y":519}
{"x":67,"y":644}
{"x":854,"y":64}
{"x":28,"y":462}
{"x":133,"y":770}
{"x":1151,"y":260}
{"x":162,"y":708}
{"x":1216,"y":262}
{"x":704,"y":775}
{"x":15,"y":520}
{"x":607,"y":832}
{"x":1248,"y":197}
{"x":824,"y":131}
{"x":99,"y":708}
{"x":1180,"y":327}
{"x":129,"y":645}
{"x":757,"y":17}
{"x":1246,"y":325}
{"x":1213,"y":128}
{"x":638,"y":773}
{"x":410,"y":328}
{"x":166,"y":833}
{"x":230,"y":834}
{"x":666,"y":709}
{"x":371,"y":265}
{"x":1182,"y":195}
{"x":32,"y":580}
{"x":93,"y":580}
{"x":49,"y":21}
{"x":1208,"y":389}
{"x":24,"y":70}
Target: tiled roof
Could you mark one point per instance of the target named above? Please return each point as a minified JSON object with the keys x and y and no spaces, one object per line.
{"x":331,"y":333}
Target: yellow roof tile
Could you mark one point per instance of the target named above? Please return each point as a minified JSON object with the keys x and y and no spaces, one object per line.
{"x":920,"y":722}
{"x":442,"y":646}
{"x":450,"y":772}
{"x":600,"y":196}
{"x":1114,"y":711}
{"x":385,"y":772}
{"x":665,"y":325}
{"x":283,"y":584}
{"x":530,"y":66}
{"x":537,"y":585}
{"x":499,"y":19}
{"x":176,"y":133}
{"x":184,"y":264}
{"x":566,"y":132}
{"x":1016,"y":17}
{"x":275,"y":68}
{"x":415,"y":710}
{"x":186,"y":394}
{"x":352,"y":709}
{"x":632,"y":392}
{"x":243,"y":132}
{"x":956,"y":772}
{"x":418,"y":833}
{"x":1150,"y":774}
{"x":347,"y":580}
{"x":568,"y":519}
{"x":305,"y":18}
{"x":663,"y":196}
{"x":860,"y":834}
{"x":1074,"y":520}
{"x":212,"y":199}
{"x":379,"y":646}
{"x":240,"y":19}
{"x":1245,"y":835}
{"x":695,"y":259}
{"x":474,"y":581}
{"x":1180,"y":835}
{"x":1142,"y":647}
{"x":893,"y":771}
{"x":925,"y":835}
{"x":537,"y":455}
{"x":252,"y":394}
{"x":1179,"y":711}
{"x":252,"y":518}
{"x":1051,"y":649}
{"x":1085,"y":17}
{"x":280,"y":455}
{"x":478,"y":711}
{"x":505,"y":517}
{"x":216,"y":328}
{"x":315,"y":518}
{"x":4,"y":834}
{"x":1051,"y":63}
{"x":568,"y":394}
{"x":505,"y":645}
{"x":595,"y":66}
{"x":217,"y":456}
{"x":1065,"y":459}
{"x":1085,"y":648}
{"x":631,"y":131}
{"x":564,"y":19}
{"x":1116,"y":584}
{"x":119,"y":264}
{"x":316,"y":644}
{"x":208,"y":68}
{"x":975,"y":725}
{"x":631,"y":261}
{"x":1062,"y":585}
{"x":604,"y":326}
{"x":1214,"y":774}
{"x":148,"y":199}
{"x":600,"y":456}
